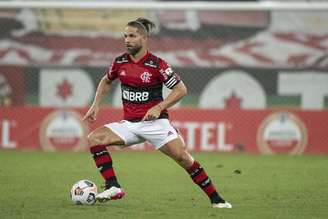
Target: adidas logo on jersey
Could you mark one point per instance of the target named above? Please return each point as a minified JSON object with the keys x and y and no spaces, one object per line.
{"x":123,"y":73}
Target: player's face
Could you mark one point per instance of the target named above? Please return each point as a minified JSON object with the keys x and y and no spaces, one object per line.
{"x":133,"y":40}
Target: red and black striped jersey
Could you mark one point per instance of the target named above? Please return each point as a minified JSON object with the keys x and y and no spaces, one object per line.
{"x":142,"y":83}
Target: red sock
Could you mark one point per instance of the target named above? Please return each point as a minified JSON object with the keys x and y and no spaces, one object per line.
{"x":104,"y":164}
{"x":199,"y":177}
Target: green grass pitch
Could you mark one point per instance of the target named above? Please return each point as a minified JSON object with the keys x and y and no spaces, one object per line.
{"x":36,"y":185}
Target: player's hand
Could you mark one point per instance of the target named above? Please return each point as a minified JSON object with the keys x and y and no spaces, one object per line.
{"x":153,"y":113}
{"x":91,"y":115}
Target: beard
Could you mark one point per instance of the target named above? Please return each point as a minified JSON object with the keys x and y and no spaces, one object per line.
{"x":133,"y":50}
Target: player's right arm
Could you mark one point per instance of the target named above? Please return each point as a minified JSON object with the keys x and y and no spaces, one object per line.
{"x":102,"y":89}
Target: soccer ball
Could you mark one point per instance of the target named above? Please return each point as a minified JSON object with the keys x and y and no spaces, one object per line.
{"x":84,"y":192}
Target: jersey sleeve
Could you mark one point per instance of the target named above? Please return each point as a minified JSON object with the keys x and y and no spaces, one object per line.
{"x":168,"y":76}
{"x":112,"y":71}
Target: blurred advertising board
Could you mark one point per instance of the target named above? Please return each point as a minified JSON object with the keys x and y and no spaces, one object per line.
{"x":233,"y":130}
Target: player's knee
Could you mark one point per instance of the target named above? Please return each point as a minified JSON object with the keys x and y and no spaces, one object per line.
{"x":185,"y":159}
{"x":93,"y":139}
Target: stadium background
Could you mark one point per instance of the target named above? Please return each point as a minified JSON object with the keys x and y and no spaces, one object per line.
{"x":257,"y":79}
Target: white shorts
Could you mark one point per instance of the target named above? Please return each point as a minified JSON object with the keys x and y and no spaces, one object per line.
{"x":157,"y":132}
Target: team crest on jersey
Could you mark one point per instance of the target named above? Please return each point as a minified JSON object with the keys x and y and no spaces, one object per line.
{"x":145,"y":77}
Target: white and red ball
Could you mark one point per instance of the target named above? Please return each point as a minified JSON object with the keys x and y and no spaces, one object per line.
{"x":84,"y":192}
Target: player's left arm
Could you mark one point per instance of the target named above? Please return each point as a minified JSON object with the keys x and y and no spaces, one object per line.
{"x":172,"y":81}
{"x":176,"y":94}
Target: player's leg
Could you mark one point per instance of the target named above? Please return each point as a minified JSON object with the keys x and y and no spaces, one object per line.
{"x":165,"y":138}
{"x":98,"y":141}
{"x":177,"y":151}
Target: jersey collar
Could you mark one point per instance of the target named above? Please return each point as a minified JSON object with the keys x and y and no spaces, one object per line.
{"x":144,"y":58}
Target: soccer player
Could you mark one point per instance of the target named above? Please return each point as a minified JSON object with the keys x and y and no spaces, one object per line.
{"x":142,"y":75}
